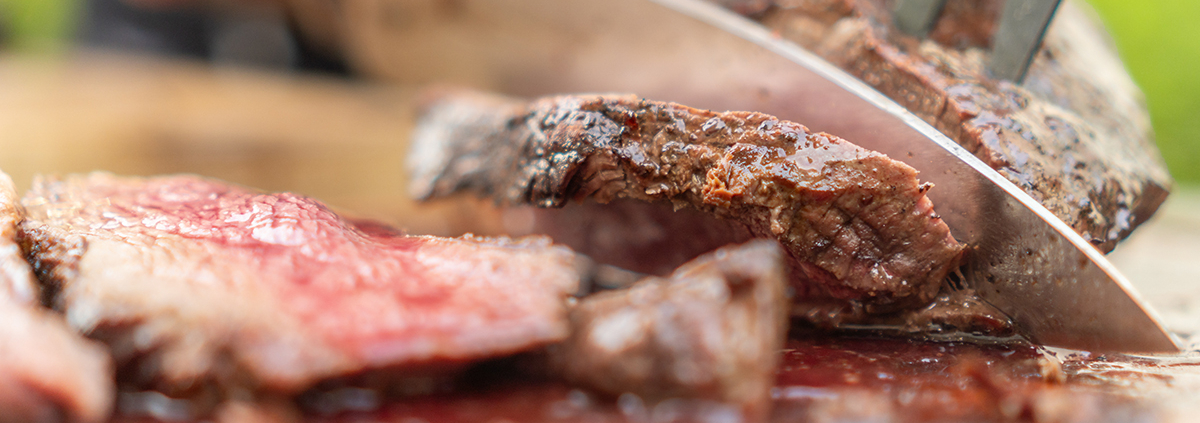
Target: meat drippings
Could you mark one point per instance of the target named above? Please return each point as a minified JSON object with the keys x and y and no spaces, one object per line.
{"x":831,"y":379}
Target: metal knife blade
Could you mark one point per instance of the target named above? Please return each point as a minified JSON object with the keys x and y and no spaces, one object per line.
{"x":1028,"y":263}
{"x":1022,"y":26}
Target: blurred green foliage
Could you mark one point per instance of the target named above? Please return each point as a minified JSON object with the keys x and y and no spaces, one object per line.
{"x":1160,"y":43}
{"x":38,"y":25}
{"x":1159,"y":40}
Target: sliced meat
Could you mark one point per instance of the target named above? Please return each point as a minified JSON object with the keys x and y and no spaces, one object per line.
{"x":856,"y":224}
{"x":712,"y":331}
{"x":47,"y":372}
{"x":1075,"y":135}
{"x":194,"y":282}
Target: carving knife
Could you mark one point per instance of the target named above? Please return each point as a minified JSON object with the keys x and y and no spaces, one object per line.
{"x":1057,"y":288}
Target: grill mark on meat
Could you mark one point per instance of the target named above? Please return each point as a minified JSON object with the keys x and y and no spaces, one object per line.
{"x":1076,"y":106}
{"x":712,"y":331}
{"x":194,"y":281}
{"x":769,"y":175}
{"x":47,"y":372}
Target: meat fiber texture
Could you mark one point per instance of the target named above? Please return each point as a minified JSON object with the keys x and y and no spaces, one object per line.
{"x":47,"y":371}
{"x":1075,"y":135}
{"x":856,"y":224}
{"x":712,"y":330}
{"x":195,"y":282}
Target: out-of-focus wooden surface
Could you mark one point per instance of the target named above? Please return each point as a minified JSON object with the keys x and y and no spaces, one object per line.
{"x":339,"y":141}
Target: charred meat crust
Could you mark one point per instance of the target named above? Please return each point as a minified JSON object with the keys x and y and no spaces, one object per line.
{"x":1075,"y":135}
{"x":47,"y":371}
{"x":856,"y":224}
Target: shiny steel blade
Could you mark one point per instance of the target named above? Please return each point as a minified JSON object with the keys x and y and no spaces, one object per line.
{"x":1023,"y":23}
{"x":1057,"y":288}
{"x":916,"y":17}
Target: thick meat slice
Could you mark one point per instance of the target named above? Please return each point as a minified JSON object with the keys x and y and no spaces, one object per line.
{"x":1075,"y":135}
{"x":857,"y":224}
{"x":47,"y":372}
{"x":712,"y":330}
{"x":194,"y":282}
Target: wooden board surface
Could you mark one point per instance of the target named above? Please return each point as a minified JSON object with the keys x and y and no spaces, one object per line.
{"x":338,"y":141}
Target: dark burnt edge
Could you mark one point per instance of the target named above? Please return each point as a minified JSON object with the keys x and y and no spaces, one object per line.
{"x":565,"y":158}
{"x":54,"y":258}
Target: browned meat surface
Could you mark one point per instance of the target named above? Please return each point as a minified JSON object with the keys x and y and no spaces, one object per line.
{"x":1075,"y":136}
{"x":710,"y":331}
{"x":47,"y":372}
{"x":197,"y":284}
{"x":856,"y":224}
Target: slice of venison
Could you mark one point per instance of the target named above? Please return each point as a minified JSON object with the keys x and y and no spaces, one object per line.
{"x":856,"y":224}
{"x":47,"y":371}
{"x":195,"y":282}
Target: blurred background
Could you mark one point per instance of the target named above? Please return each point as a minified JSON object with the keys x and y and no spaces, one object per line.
{"x":1159,"y":40}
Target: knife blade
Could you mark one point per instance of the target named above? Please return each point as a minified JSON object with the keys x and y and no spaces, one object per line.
{"x":1022,"y":26}
{"x":1031,"y":265}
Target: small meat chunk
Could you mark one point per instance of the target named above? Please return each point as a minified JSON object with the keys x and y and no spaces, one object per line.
{"x":711,"y":331}
{"x":47,"y":372}
{"x":195,"y":282}
{"x":856,"y":224}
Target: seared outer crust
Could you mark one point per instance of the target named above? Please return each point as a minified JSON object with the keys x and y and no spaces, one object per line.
{"x":856,"y":224}
{"x":47,"y":371}
{"x":1075,"y":135}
